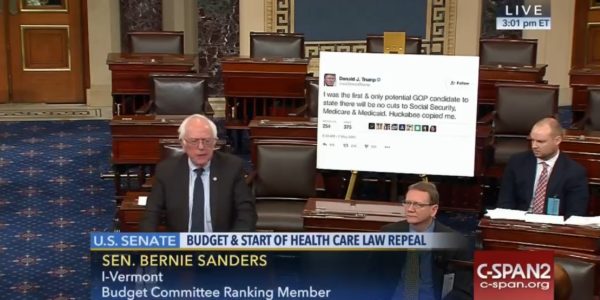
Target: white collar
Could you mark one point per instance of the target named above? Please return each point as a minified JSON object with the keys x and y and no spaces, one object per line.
{"x":193,"y":166}
{"x":551,"y":162}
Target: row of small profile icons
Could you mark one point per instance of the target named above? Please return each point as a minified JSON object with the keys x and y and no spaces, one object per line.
{"x":402,"y":127}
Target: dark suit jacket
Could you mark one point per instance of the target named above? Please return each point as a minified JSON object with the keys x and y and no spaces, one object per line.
{"x":388,"y":276}
{"x":232,"y":205}
{"x":568,"y":182}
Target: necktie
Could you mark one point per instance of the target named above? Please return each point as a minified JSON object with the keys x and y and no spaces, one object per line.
{"x":411,"y":276}
{"x":539,"y":198}
{"x":198,"y":203}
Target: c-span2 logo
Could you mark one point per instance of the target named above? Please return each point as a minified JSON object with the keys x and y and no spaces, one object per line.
{"x":533,"y":15}
{"x":500,"y":275}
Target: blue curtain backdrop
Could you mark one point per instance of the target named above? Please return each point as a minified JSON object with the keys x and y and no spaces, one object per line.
{"x":342,"y":20}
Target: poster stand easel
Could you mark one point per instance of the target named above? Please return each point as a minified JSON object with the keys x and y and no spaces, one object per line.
{"x":351,"y":184}
{"x":394,"y":43}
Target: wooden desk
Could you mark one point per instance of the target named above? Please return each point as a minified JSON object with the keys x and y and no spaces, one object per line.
{"x":136,"y":142}
{"x":135,"y":139}
{"x":341,"y":215}
{"x":580,"y":78}
{"x":482,"y":140}
{"x":584,"y":147}
{"x":574,"y":241}
{"x":261,"y":87}
{"x":130,"y":76}
{"x":490,"y":75}
{"x":130,"y":213}
{"x":285,"y":128}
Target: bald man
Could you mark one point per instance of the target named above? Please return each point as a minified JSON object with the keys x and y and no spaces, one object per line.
{"x":543,"y":180}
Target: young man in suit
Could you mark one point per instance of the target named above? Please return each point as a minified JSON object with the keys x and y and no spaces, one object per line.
{"x":201,"y":190}
{"x":544,"y":180}
{"x":434,"y":271}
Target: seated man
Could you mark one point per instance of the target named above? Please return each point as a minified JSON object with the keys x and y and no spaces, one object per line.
{"x":431,"y":267}
{"x":544,"y":180}
{"x":202,"y":190}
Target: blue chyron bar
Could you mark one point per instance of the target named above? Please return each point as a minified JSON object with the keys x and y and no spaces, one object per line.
{"x":535,"y":15}
{"x":252,"y":265}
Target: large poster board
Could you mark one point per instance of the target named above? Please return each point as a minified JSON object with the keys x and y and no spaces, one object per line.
{"x":411,"y":114}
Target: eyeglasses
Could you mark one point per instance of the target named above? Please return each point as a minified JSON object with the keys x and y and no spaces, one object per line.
{"x":415,"y":204}
{"x":203,"y":142}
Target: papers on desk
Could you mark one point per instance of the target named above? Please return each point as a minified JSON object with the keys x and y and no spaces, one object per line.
{"x":142,"y":200}
{"x":545,"y":219}
{"x":583,"y":221}
{"x":521,"y":215}
{"x":506,"y":214}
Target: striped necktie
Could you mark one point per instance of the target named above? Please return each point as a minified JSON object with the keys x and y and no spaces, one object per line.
{"x":539,"y":198}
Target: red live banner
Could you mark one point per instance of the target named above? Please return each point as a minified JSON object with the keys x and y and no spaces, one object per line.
{"x":500,"y":275}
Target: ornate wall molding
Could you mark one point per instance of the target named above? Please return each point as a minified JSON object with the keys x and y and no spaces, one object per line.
{"x":450,"y":37}
{"x":312,"y":49}
{"x":440,"y":37}
{"x":279,"y":15}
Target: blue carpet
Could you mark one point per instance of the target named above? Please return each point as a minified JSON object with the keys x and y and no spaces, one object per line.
{"x":51,"y":197}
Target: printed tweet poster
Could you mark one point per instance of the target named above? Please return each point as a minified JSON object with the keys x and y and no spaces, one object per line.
{"x":412,"y":114}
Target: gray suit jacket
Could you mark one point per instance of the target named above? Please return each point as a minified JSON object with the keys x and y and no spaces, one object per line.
{"x":232,"y":203}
